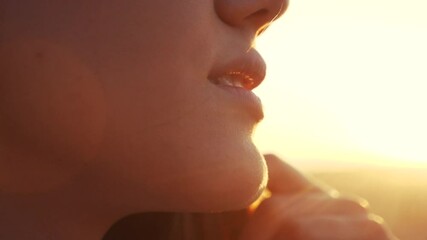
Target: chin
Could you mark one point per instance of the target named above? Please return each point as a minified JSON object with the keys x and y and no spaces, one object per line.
{"x":226,"y":173}
{"x":205,"y":180}
{"x":234,"y":181}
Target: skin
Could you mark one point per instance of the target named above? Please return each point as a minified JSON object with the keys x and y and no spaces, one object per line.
{"x":301,"y":209}
{"x":106,"y":110}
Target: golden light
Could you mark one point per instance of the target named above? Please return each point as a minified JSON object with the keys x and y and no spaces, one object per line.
{"x":347,"y":84}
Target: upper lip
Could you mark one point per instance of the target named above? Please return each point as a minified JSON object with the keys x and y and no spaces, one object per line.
{"x":249,"y":65}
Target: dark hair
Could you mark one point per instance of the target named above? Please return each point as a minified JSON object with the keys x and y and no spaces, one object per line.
{"x":178,"y":226}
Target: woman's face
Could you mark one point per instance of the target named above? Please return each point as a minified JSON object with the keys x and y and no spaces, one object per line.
{"x":131,"y":93}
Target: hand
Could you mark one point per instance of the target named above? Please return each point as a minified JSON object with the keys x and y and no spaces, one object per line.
{"x":298,"y":209}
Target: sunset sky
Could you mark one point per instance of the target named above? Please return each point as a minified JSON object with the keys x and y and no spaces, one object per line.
{"x":346,"y":84}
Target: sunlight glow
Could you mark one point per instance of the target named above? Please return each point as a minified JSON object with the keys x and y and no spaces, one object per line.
{"x":346,"y":84}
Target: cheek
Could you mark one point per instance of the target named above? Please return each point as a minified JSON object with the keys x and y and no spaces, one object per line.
{"x":50,"y":104}
{"x":173,"y":37}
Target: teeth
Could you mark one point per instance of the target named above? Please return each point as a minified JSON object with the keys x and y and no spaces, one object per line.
{"x":235,"y":79}
{"x":229,"y":81}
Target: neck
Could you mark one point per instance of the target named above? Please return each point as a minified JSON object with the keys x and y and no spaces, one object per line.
{"x":55,"y":215}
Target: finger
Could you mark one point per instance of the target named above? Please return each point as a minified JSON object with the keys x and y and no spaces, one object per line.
{"x":339,"y":206}
{"x":311,"y":204}
{"x":320,"y":205}
{"x":284,"y":179}
{"x":280,"y":211}
{"x":334,"y":228}
{"x":272,"y":212}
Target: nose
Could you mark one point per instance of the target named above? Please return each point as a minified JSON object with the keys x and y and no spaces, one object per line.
{"x":254,"y":14}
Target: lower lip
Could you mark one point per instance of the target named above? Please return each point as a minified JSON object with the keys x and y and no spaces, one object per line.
{"x":248,"y":99}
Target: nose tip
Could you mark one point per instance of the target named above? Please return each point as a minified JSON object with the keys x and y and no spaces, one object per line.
{"x":256,"y":14}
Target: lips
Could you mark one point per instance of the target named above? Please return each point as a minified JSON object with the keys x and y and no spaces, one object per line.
{"x":246,"y":71}
{"x":235,"y":79}
{"x":238,"y":77}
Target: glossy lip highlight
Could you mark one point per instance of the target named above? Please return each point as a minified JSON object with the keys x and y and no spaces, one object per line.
{"x":249,"y":66}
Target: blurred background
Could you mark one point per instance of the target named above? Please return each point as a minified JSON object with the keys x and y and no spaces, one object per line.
{"x":345,"y":100}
